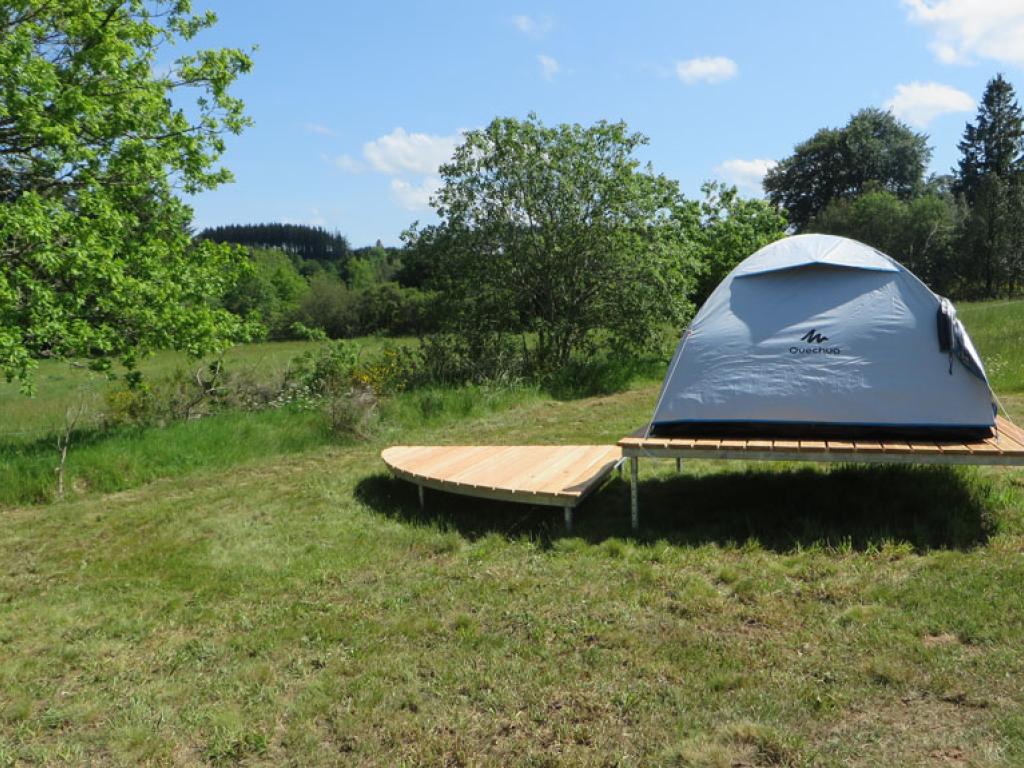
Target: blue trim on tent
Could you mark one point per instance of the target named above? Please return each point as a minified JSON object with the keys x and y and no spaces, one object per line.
{"x":901,"y":425}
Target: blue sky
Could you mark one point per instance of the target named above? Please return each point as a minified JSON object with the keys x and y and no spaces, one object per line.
{"x":355,"y":103}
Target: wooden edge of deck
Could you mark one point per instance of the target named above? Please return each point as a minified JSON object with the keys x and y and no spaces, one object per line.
{"x":567,"y":488}
{"x":1005,"y":447}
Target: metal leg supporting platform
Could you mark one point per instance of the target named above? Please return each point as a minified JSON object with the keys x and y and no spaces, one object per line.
{"x":634,"y":492}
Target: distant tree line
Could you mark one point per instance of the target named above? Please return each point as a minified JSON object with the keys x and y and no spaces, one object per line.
{"x":306,"y":242}
{"x":554,"y":245}
{"x":305,"y":281}
{"x":963,"y":233}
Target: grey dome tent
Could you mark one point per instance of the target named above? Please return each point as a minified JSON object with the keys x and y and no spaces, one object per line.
{"x":822,"y":335}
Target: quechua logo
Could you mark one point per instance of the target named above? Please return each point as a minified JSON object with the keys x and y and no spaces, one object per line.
{"x":815,"y":342}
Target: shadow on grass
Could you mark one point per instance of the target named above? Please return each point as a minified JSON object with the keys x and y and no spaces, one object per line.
{"x":861,"y":507}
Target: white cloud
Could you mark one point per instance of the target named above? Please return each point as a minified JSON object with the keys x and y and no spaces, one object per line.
{"x":920,"y":103}
{"x":966,"y":30}
{"x":319,"y":128}
{"x":548,"y":66}
{"x":745,"y":174}
{"x":345,"y":163}
{"x":531,"y":26}
{"x":400,"y":151}
{"x":707,"y":69}
{"x":415,"y":197}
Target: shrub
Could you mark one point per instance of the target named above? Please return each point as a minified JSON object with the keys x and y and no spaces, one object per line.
{"x":351,"y":413}
{"x":449,"y":359}
{"x":325,"y":379}
{"x":326,"y":370}
{"x":330,"y":306}
{"x":186,"y":395}
{"x":391,"y":371}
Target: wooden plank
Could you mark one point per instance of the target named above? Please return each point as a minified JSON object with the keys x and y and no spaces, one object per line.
{"x":813,"y":445}
{"x":439,"y":453}
{"x":868,"y":446}
{"x":659,"y":442}
{"x":732,"y":445}
{"x":595,"y":468}
{"x":1014,"y":434}
{"x":451,"y":460}
{"x":412,"y":463}
{"x":1005,"y":425}
{"x":759,"y":445}
{"x":406,"y":453}
{"x":987,"y":446}
{"x":683,"y":443}
{"x":954,"y":449}
{"x":554,"y":468}
{"x":584,"y":472}
{"x":925,"y":447}
{"x":896,"y":446}
{"x":496,"y":460}
{"x":785,"y":445}
{"x":705,"y":444}
{"x":521,"y":466}
{"x":841,"y":445}
{"x":576,"y":478}
{"x":991,"y":441}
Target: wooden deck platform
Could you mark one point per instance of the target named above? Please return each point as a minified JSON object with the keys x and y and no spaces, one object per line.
{"x":1005,"y":447}
{"x":563,"y":475}
{"x":553,"y":475}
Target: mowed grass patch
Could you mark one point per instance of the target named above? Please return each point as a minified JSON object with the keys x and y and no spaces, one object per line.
{"x":301,"y":610}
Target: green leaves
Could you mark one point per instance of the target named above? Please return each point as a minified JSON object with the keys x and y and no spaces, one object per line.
{"x":873,"y":149}
{"x":96,"y":259}
{"x":555,"y":233}
{"x":920,"y":233}
{"x":725,"y":228}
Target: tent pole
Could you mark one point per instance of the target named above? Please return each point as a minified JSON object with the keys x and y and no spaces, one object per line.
{"x":679,"y":464}
{"x":634,"y":492}
{"x":568,"y":519}
{"x":422,"y":500}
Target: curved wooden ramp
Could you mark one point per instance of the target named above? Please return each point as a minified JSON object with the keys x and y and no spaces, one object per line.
{"x":554,"y":475}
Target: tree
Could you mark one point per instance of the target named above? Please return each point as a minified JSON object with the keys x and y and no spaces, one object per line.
{"x":920,"y":233}
{"x":554,"y":233}
{"x":330,"y":306}
{"x":873,"y":149}
{"x":993,"y":144}
{"x":726,"y":229}
{"x":96,"y":258}
{"x":989,"y":181}
{"x":271,"y":292}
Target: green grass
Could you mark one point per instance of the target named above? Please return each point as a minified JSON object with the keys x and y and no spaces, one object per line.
{"x":245,"y":590}
{"x":60,"y":386}
{"x":301,"y":610}
{"x":997,"y":330}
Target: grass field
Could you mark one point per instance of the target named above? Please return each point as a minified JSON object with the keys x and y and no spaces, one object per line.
{"x":286,"y":603}
{"x":60,"y":386}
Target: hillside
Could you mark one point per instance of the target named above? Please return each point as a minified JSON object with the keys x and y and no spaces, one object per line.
{"x":299,"y":609}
